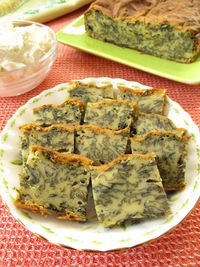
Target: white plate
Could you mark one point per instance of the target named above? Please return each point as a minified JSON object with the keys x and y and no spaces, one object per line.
{"x":90,"y":235}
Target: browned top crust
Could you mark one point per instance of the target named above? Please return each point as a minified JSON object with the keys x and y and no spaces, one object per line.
{"x":99,"y":130}
{"x":73,"y":85}
{"x":72,"y":102}
{"x":141,"y":92}
{"x":33,"y":126}
{"x":30,"y":206}
{"x":124,"y":157}
{"x":39,"y":209}
{"x":60,"y":158}
{"x":113,"y":101}
{"x":141,"y":139}
{"x":183,"y":130}
{"x":182,"y":14}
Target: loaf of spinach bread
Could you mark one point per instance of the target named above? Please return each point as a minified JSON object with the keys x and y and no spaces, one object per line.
{"x":100,"y":145}
{"x":148,"y":100}
{"x":164,"y":28}
{"x":54,"y":184}
{"x":170,"y":150}
{"x":89,"y":92}
{"x":59,"y":137}
{"x":111,"y":114}
{"x":129,"y":187}
{"x":69,"y":112}
{"x":154,"y":122}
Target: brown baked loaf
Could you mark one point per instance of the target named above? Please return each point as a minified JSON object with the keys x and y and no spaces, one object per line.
{"x":164,"y":28}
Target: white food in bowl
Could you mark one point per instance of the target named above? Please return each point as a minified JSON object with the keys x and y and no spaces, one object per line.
{"x":27,"y":52}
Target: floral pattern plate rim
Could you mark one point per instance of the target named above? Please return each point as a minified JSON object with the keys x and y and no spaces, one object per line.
{"x":90,"y":235}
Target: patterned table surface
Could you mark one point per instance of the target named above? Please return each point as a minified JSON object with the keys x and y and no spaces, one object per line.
{"x":179,"y":247}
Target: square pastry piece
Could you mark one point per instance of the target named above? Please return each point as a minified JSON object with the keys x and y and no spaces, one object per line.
{"x":58,"y":137}
{"x":129,"y":187}
{"x":170,"y":150}
{"x":154,"y":122}
{"x":111,"y":114}
{"x":89,"y":92}
{"x":55,"y":184}
{"x":100,"y":145}
{"x":71,"y":111}
{"x":148,"y":100}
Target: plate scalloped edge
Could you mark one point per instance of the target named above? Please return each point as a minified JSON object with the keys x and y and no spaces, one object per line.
{"x":91,"y":236}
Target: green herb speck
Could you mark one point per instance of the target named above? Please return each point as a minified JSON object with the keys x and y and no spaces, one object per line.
{"x":71,"y":239}
{"x":195,"y":186}
{"x":22,"y":111}
{"x":5,"y":137}
{"x":26,"y":215}
{"x":16,"y":162}
{"x":48,"y":93}
{"x":47,"y":229}
{"x":125,"y":240}
{"x":169,"y":220}
{"x":12,"y":123}
{"x":5,"y":183}
{"x":96,"y":242}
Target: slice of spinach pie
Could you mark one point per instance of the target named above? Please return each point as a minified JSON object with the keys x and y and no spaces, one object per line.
{"x":100,"y":145}
{"x":69,"y":112}
{"x":89,"y":92}
{"x":170,"y":150}
{"x":59,"y":137}
{"x":129,"y":187}
{"x":164,"y":28}
{"x":148,"y":100}
{"x":54,"y":184}
{"x":111,"y":114}
{"x":155,"y":122}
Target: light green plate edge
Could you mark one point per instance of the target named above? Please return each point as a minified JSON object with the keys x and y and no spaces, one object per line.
{"x":185,"y":73}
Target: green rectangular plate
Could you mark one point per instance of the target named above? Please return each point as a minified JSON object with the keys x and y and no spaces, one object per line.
{"x":75,"y":36}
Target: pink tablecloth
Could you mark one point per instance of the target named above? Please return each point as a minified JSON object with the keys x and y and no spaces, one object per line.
{"x":179,"y":247}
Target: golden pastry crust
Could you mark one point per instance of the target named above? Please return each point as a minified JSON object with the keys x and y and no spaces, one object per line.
{"x":131,"y":9}
{"x":122,"y":157}
{"x":39,"y":209}
{"x":57,"y":157}
{"x":32,"y":207}
{"x":99,"y":130}
{"x":154,"y":11}
{"x":72,"y":102}
{"x":71,"y":217}
{"x":142,"y":92}
{"x":183,"y":138}
{"x":73,"y":85}
{"x":33,"y":126}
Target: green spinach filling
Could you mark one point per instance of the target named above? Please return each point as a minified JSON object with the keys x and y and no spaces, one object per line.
{"x":159,"y":40}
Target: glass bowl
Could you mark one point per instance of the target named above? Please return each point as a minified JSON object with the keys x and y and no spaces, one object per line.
{"x":24,"y":79}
